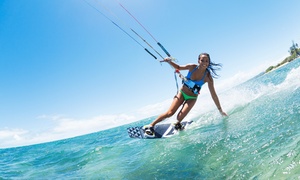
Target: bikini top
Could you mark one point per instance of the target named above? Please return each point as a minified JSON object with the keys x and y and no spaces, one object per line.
{"x":194,"y":85}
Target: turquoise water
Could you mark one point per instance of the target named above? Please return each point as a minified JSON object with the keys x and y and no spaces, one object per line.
{"x":259,"y":140}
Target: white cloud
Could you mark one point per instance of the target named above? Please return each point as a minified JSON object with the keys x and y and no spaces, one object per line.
{"x":153,"y":109}
{"x":82,"y":126}
{"x":65,"y":127}
{"x":11,"y":133}
{"x":239,"y":78}
{"x":10,"y":137}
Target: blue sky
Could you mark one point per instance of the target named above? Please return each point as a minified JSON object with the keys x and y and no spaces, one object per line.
{"x":65,"y":70}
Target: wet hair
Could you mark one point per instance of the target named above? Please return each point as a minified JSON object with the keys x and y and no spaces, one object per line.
{"x":212,"y":67}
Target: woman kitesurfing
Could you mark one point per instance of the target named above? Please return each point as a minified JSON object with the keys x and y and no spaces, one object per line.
{"x":198,"y":75}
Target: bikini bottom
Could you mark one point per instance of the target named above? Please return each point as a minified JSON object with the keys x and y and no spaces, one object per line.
{"x":187,"y":97}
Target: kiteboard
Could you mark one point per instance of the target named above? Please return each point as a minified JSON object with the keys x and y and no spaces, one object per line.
{"x":161,"y":130}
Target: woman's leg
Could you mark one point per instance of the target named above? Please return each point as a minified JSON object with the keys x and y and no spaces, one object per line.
{"x":187,"y":106}
{"x":177,"y":101}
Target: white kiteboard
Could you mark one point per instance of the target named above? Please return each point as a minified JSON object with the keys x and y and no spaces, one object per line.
{"x":161,"y":130}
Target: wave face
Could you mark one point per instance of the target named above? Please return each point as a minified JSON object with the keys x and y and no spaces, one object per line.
{"x":259,"y":140}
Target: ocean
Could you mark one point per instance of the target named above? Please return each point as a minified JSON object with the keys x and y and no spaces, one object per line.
{"x":260,"y":139}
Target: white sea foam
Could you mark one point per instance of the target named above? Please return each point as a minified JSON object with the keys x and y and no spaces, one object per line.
{"x":292,"y":80}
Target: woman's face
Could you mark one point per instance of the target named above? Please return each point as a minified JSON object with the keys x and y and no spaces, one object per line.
{"x":203,"y":61}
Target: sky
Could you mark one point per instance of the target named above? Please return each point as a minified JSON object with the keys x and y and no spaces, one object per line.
{"x":66,"y":70}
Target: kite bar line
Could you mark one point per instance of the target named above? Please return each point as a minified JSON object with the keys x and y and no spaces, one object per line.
{"x":121,"y":29}
{"x":125,"y":24}
{"x":161,"y":46}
